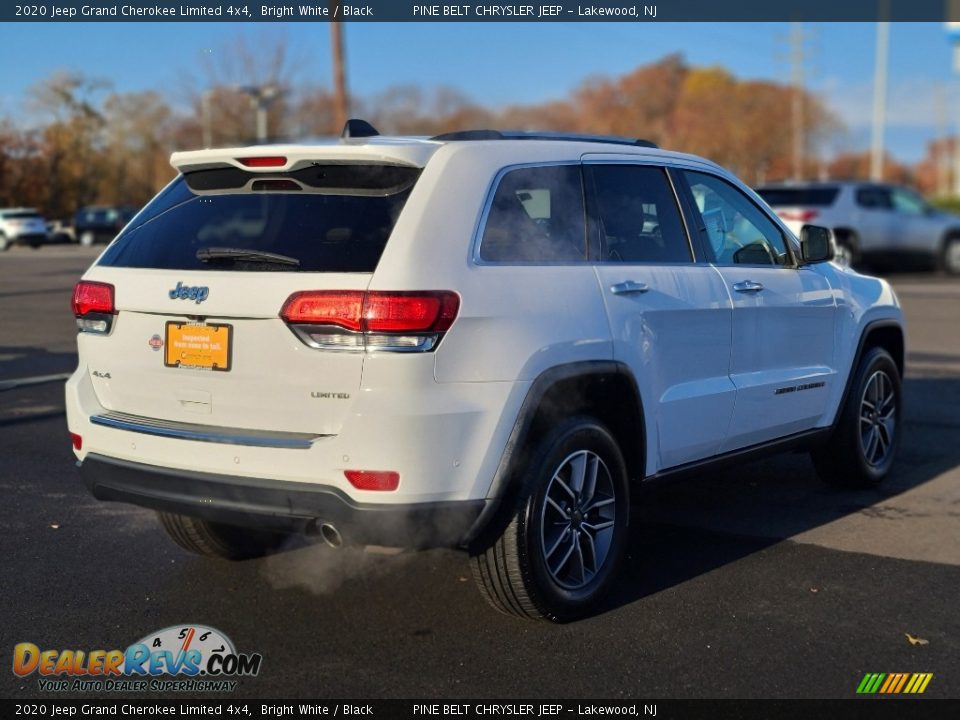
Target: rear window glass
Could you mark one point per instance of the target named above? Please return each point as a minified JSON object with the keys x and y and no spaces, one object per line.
{"x":20,"y":215}
{"x":782,"y":197}
{"x":537,"y":215}
{"x":320,"y":219}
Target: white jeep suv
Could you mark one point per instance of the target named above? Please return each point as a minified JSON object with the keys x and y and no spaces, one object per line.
{"x":481,"y":340}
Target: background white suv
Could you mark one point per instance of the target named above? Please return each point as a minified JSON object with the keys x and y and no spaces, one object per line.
{"x":874,"y":223}
{"x":21,"y":226}
{"x":481,"y":340}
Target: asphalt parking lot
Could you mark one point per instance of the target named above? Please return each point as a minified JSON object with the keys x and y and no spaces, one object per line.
{"x":754,"y":582}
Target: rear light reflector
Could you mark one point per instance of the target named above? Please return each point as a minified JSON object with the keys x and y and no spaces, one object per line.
{"x":77,"y":441}
{"x":798,"y":215}
{"x":264,"y":161}
{"x":382,"y":480}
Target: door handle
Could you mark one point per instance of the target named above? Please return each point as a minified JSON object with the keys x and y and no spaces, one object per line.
{"x":748,"y":286}
{"x":628,"y":287}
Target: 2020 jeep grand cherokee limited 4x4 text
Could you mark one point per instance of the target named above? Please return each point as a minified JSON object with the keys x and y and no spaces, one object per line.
{"x":483,"y":340}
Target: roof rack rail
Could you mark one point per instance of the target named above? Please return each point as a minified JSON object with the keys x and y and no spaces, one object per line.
{"x":356,"y":128}
{"x":523,"y":135}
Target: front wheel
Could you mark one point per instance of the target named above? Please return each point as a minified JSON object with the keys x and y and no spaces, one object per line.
{"x":864,"y":443}
{"x":87,"y":239}
{"x":562,"y":547}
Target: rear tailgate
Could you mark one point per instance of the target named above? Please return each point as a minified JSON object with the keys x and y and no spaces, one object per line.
{"x":199,"y":280}
{"x":270,"y":381}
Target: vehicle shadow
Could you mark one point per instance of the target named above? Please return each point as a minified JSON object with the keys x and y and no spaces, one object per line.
{"x":20,"y":361}
{"x":685,"y":528}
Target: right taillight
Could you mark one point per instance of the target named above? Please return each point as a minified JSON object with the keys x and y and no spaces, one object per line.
{"x":375,"y":320}
{"x":799,"y":215}
{"x":93,"y":305}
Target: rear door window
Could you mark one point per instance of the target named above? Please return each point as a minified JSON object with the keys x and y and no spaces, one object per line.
{"x":874,"y":198}
{"x":536,"y":216}
{"x":318,"y":219}
{"x":636,"y":215}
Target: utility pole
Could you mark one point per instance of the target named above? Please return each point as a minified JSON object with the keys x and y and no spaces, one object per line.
{"x":341,"y":110}
{"x":796,"y":110}
{"x":942,"y":144}
{"x":879,"y":95}
{"x":953,"y":34}
{"x":207,"y":118}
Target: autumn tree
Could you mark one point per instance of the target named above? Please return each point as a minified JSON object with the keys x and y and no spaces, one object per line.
{"x":72,"y":140}
{"x":137,"y":147}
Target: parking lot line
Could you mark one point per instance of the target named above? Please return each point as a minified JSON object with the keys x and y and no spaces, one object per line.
{"x":35,"y":380}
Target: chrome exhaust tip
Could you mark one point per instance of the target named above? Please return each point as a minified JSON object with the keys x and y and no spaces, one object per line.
{"x":331,"y":536}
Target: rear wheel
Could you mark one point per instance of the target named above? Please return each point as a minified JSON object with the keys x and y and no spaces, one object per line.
{"x":87,"y":238}
{"x":563,"y":546}
{"x":211,"y":539}
{"x":950,"y":255}
{"x":864,"y":442}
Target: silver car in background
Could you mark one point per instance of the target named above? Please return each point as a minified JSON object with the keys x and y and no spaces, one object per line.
{"x":873,"y":223}
{"x":21,"y":226}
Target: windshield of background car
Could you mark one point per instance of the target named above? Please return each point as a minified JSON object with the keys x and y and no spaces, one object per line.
{"x":329,"y":218}
{"x":20,"y":215}
{"x":783,"y":197}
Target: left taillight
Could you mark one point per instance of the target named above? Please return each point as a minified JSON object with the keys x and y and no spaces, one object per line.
{"x":93,"y":306}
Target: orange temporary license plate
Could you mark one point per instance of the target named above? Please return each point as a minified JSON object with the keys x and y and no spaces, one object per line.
{"x":197,"y":346}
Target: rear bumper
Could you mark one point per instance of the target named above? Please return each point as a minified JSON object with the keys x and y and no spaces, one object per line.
{"x":279,"y":505}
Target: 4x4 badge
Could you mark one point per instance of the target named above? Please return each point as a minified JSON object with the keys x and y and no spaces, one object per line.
{"x":198,"y":293}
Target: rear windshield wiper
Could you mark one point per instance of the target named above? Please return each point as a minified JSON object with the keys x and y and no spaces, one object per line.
{"x":220,"y":253}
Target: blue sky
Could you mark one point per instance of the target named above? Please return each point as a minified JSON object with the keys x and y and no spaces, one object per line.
{"x":499,"y":64}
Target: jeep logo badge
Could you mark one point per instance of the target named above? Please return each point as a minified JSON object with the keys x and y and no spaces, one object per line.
{"x":198,"y":293}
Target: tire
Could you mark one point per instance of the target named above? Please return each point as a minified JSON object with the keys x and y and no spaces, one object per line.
{"x":950,"y":255}
{"x":521,"y":573}
{"x":4,"y":243}
{"x":87,"y":239}
{"x":210,"y":539}
{"x":864,"y":443}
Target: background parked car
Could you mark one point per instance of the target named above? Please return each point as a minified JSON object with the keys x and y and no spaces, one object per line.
{"x":21,"y":226}
{"x":873,"y":223}
{"x":100,"y":223}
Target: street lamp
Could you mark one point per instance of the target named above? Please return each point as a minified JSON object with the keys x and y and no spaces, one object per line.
{"x":261,"y":98}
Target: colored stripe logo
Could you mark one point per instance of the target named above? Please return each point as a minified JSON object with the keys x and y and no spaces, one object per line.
{"x":894,"y":683}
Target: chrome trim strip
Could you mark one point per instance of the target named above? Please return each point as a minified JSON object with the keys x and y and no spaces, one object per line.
{"x":206,"y":433}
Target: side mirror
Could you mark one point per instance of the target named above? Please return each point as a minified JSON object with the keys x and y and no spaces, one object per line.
{"x":816,"y":244}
